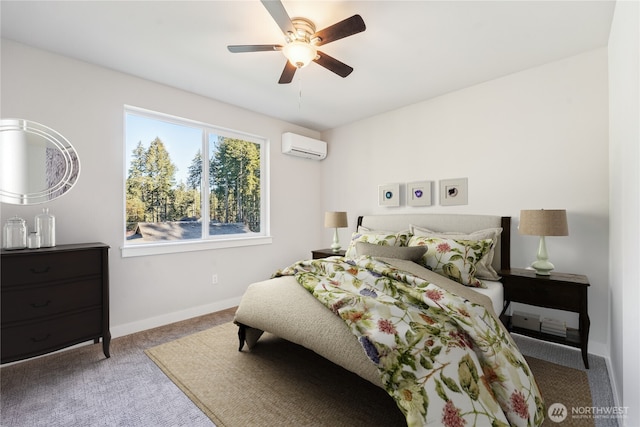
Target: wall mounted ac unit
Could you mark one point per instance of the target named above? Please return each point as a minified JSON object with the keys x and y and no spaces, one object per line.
{"x":302,"y":146}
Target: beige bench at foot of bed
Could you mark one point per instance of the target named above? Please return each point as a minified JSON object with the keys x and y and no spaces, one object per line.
{"x":284,"y":308}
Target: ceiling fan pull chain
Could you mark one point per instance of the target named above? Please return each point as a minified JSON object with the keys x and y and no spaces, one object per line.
{"x":299,"y":92}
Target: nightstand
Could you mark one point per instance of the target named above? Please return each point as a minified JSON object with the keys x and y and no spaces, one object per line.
{"x":559,"y":291}
{"x":324,"y":253}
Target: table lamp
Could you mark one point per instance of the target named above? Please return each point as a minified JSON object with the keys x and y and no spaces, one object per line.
{"x":335,"y":220}
{"x":543,"y":223}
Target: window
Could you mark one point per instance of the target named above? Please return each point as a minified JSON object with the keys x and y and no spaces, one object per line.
{"x":178,"y":199}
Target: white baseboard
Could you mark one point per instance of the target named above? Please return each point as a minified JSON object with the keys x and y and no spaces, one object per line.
{"x":599,"y":349}
{"x":176,"y":316}
{"x":612,"y":380}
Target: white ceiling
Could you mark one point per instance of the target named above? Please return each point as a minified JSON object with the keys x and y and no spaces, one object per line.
{"x":411,"y":50}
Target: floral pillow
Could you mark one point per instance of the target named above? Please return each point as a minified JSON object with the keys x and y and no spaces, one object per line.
{"x":374,"y":237}
{"x":484,"y":269}
{"x":402,"y":236}
{"x":452,"y":258}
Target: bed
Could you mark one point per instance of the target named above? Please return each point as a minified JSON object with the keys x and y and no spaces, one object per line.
{"x":435,"y":345}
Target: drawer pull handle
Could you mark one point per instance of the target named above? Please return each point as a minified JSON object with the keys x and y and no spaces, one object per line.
{"x":40,"y":271}
{"x":41,"y":304}
{"x":44,"y":338}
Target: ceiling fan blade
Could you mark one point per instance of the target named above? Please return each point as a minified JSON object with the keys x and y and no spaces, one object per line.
{"x":253,"y":48}
{"x":287,"y":73}
{"x":340,"y":30}
{"x":280,"y":15}
{"x":332,"y":64}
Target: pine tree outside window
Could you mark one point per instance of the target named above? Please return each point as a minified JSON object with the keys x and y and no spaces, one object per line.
{"x":177,"y":199}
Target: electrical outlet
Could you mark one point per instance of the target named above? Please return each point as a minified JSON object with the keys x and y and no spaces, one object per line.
{"x":214,"y":279}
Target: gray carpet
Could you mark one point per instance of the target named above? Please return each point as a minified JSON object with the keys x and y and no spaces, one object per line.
{"x":597,"y":373}
{"x":81,"y":388}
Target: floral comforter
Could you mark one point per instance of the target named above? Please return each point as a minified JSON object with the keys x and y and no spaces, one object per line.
{"x":445,"y":360}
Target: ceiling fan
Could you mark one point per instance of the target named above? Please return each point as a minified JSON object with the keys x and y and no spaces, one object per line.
{"x":301,"y":40}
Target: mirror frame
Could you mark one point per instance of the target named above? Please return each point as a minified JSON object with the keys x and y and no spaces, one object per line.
{"x":68,"y":158}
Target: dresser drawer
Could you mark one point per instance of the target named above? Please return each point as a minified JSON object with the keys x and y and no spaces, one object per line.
{"x":21,"y":269}
{"x":26,"y":340}
{"x":549,"y":295}
{"x":32,"y":301}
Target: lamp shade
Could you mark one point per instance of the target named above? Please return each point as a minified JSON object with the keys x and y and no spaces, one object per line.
{"x":543,"y":222}
{"x":335,"y":220}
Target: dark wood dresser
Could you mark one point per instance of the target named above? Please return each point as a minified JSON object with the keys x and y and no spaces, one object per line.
{"x":54,"y":298}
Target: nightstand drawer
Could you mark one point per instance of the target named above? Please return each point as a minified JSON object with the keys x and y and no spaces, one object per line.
{"x":324,"y":253}
{"x":47,"y":267}
{"x":36,"y":338}
{"x":29,"y":302}
{"x":549,"y":295}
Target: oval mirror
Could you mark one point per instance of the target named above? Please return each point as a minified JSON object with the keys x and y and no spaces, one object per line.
{"x":37,"y":164}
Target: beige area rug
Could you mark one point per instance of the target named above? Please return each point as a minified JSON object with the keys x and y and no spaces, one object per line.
{"x":566,"y":386}
{"x":280,"y":383}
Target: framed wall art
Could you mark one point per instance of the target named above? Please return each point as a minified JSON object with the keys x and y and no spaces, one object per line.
{"x":419,"y":193}
{"x":389,"y":195}
{"x":453,"y":192}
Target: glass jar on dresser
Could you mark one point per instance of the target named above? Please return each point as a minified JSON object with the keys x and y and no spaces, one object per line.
{"x":54,"y":298}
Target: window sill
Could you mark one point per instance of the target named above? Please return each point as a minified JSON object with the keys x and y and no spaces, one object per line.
{"x":191,"y":246}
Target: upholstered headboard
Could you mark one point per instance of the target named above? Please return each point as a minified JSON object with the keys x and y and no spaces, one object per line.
{"x":464,"y":223}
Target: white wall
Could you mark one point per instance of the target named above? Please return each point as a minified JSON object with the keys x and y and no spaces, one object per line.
{"x":624,"y":135}
{"x":535,"y":139}
{"x":85,"y":104}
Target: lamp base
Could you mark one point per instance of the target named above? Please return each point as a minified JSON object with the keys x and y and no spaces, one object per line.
{"x":335,"y":246}
{"x":542,"y":268}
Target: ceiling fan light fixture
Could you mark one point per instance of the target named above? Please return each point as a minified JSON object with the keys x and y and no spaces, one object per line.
{"x":302,"y":41}
{"x":299,"y":53}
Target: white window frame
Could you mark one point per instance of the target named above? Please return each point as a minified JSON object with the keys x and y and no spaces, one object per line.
{"x":209,"y":242}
